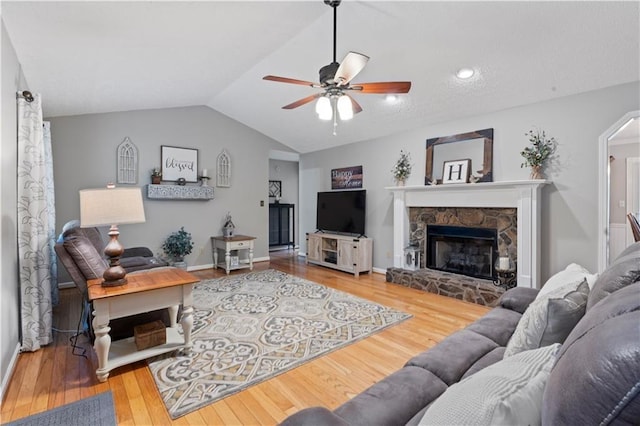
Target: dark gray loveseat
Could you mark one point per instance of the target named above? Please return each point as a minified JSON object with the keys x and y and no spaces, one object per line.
{"x":595,"y":378}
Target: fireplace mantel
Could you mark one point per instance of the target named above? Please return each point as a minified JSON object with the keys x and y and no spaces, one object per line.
{"x":522,"y":194}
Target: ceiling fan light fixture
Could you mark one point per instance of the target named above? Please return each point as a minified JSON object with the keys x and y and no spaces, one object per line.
{"x":324,"y":109}
{"x":465,"y":73}
{"x":345,"y":108}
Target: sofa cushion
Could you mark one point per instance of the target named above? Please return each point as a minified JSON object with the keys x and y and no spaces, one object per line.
{"x":506,"y":393}
{"x":314,"y":416}
{"x":394,"y":400}
{"x":498,"y":325}
{"x":92,"y":234}
{"x":453,"y":356}
{"x":573,"y":273}
{"x":599,"y":358}
{"x":491,"y":358}
{"x":550,"y":318}
{"x":84,"y":254}
{"x":518,"y":298}
{"x":624,"y":271}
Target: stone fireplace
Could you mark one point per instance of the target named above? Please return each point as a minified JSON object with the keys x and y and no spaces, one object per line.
{"x":510,"y":210}
{"x":463,"y":240}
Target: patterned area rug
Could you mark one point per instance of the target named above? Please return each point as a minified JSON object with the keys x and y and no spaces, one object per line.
{"x":251,"y":327}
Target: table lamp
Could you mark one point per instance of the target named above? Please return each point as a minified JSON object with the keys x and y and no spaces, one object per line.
{"x":111,"y":206}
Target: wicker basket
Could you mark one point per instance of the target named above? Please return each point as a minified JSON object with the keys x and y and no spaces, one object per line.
{"x":150,"y":334}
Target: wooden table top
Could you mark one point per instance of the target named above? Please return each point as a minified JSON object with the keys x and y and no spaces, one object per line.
{"x":142,"y":281}
{"x":234,"y":238}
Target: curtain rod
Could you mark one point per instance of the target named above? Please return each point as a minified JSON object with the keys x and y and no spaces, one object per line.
{"x":26,"y":95}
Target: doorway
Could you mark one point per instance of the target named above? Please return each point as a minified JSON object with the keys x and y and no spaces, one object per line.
{"x":283,"y":201}
{"x":619,"y":192}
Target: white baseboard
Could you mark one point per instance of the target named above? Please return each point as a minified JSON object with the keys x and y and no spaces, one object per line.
{"x":9,"y":373}
{"x":382,"y":271}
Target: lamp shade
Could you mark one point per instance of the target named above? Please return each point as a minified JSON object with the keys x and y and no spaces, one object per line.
{"x":324,"y":109}
{"x":110,"y":206}
{"x":345,"y":108}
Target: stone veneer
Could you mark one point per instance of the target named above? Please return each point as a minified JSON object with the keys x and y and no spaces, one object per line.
{"x":475,"y":290}
{"x":505,"y":220}
{"x":461,"y":287}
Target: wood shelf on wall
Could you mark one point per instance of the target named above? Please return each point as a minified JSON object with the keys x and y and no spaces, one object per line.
{"x":179,"y":192}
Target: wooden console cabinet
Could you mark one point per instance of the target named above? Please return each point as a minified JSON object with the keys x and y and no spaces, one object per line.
{"x":349,"y":254}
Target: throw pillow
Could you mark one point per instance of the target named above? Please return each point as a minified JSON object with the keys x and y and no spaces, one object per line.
{"x":508,"y":392}
{"x":86,"y":257}
{"x":573,"y":273}
{"x":550,"y":318}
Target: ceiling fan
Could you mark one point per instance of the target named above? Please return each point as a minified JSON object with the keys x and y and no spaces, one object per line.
{"x":336,"y":78}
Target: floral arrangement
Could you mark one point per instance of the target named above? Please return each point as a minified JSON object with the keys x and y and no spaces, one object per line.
{"x":540,"y":150}
{"x":156,"y":171}
{"x":178,"y":244}
{"x":402,"y":169}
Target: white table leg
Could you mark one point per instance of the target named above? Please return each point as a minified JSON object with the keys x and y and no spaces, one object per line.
{"x":102,"y":344}
{"x":173,"y":315}
{"x":227,"y":259}
{"x":215,"y":257}
{"x":187,"y":326}
{"x":251,"y":257}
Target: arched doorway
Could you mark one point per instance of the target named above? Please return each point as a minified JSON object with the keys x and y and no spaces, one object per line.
{"x":604,"y":189}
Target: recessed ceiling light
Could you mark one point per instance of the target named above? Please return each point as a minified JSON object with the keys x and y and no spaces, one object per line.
{"x":465,"y":73}
{"x":391,"y":98}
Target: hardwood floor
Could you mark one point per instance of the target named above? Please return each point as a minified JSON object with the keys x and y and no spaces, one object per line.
{"x":54,"y":376}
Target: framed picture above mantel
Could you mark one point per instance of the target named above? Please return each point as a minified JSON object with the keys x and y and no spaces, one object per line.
{"x":179,"y":163}
{"x":477,"y":146}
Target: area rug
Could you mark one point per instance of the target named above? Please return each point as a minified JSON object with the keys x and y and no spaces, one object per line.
{"x":96,"y":410}
{"x":252,"y":327}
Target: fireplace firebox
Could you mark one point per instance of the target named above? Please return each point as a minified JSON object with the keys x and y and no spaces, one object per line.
{"x":462,"y":250}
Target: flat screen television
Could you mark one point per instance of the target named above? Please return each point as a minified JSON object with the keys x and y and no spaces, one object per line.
{"x":341,"y":211}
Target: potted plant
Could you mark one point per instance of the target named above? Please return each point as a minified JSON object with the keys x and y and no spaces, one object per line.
{"x":156,"y":176}
{"x":536,"y":155}
{"x":177,"y":246}
{"x":402,"y":169}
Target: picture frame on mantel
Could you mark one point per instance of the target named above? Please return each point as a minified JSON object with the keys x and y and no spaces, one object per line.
{"x":477,"y":146}
{"x":456,"y":171}
{"x":179,"y":163}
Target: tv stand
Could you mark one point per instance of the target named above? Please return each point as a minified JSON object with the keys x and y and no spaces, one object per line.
{"x":342,"y":252}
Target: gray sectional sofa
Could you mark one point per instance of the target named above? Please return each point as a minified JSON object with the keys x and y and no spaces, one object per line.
{"x":593,"y":377}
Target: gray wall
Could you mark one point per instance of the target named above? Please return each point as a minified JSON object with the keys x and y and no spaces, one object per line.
{"x":570,"y":211}
{"x":84,"y":151}
{"x":12,"y":81}
{"x":618,"y":178}
{"x":287,"y":172}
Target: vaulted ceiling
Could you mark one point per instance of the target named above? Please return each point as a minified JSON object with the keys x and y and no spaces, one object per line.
{"x":92,"y":57}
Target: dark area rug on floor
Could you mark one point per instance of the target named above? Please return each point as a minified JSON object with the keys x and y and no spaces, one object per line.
{"x":252,"y":327}
{"x":97,"y":410}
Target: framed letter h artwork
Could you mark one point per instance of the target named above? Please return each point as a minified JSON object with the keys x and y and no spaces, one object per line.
{"x":456,"y":171}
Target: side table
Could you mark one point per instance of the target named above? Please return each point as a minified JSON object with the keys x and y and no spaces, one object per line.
{"x":145,"y":291}
{"x":237,"y":242}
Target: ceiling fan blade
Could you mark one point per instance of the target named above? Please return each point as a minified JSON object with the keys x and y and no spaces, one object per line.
{"x":356,"y":106}
{"x":289,"y":80}
{"x":302,"y":101}
{"x":352,"y":64}
{"x":384,"y":87}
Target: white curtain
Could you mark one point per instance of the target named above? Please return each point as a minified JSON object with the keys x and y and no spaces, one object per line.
{"x":36,"y":226}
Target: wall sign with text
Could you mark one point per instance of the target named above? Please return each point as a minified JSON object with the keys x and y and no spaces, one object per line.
{"x":179,"y":163}
{"x":346,"y":178}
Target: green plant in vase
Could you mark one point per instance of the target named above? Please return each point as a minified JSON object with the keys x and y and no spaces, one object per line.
{"x":538,"y":153}
{"x":156,"y":175}
{"x":178,"y":245}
